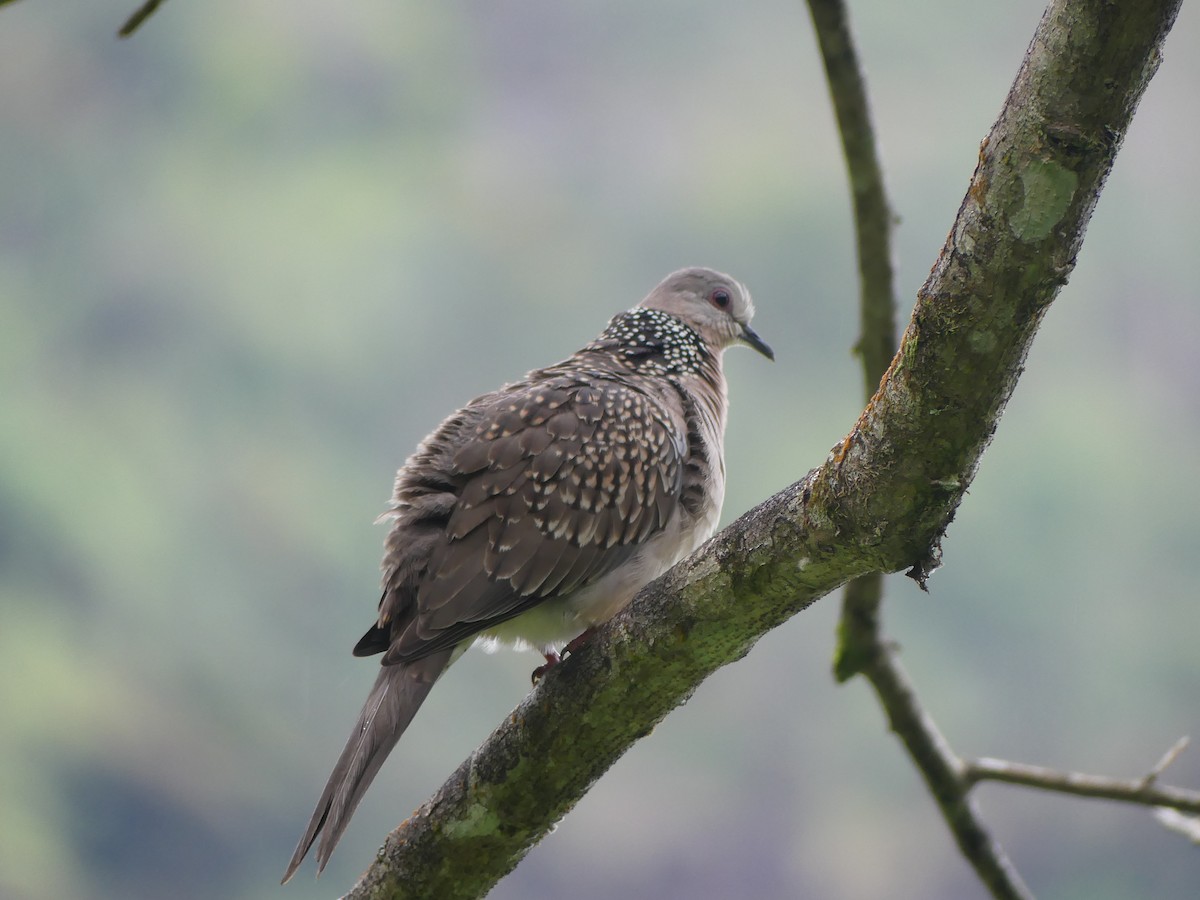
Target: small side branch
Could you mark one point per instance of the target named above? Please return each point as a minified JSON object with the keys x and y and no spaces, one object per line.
{"x":1188,"y":826}
{"x":1145,"y":791}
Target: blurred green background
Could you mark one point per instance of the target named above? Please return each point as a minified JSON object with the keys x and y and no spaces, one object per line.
{"x":250,"y":257}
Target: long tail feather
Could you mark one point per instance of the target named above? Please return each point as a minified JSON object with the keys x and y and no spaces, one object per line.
{"x":398,"y":693}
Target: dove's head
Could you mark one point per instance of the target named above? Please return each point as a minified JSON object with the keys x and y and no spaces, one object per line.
{"x":718,"y":307}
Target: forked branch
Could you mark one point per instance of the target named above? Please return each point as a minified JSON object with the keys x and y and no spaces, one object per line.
{"x":862,"y":646}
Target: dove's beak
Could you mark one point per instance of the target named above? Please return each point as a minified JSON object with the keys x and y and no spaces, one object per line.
{"x":751,"y":339}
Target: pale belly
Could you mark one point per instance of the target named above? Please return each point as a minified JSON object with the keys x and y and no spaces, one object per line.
{"x":551,"y":624}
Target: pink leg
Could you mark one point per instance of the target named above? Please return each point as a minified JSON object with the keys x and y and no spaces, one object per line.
{"x":552,"y":660}
{"x":579,"y":641}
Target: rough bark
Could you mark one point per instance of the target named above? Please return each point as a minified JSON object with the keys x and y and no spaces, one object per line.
{"x":881,"y":501}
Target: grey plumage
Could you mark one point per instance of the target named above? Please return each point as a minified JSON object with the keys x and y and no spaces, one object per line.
{"x":540,"y":510}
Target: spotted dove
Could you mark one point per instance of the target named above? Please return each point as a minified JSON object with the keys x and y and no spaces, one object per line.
{"x":539,"y":510}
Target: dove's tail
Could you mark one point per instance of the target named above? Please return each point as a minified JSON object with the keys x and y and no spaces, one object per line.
{"x":398,"y":693}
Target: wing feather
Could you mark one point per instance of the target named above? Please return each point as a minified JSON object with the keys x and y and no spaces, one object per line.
{"x":553,"y":487}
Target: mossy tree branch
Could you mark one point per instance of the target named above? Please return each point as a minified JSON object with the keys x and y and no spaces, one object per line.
{"x":880,"y":502}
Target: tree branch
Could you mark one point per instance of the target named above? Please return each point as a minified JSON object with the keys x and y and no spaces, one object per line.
{"x":873,"y":218}
{"x":881,"y":501}
{"x":862,"y":646}
{"x":943,"y":772}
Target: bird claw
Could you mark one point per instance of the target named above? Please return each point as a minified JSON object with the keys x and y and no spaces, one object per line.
{"x":553,"y":659}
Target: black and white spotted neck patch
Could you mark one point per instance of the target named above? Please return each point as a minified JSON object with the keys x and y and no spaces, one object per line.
{"x":653,"y":341}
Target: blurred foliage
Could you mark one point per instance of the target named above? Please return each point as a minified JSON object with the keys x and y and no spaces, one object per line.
{"x":249,"y":257}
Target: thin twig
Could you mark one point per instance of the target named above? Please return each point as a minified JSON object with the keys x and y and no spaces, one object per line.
{"x":140,"y":15}
{"x":861,"y":644}
{"x":1169,"y":757}
{"x":1188,"y":826}
{"x":1131,"y":790}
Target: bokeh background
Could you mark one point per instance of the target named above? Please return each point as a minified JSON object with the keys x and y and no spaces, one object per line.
{"x":250,"y":257}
